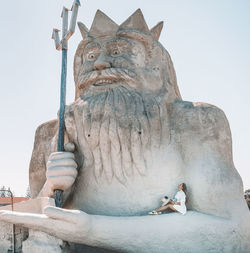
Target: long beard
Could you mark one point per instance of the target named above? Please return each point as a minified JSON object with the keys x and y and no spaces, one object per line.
{"x":118,"y":131}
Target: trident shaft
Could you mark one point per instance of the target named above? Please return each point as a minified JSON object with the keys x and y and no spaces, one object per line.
{"x":63,"y":45}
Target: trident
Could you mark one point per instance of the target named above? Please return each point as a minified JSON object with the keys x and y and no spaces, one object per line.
{"x":63,"y":45}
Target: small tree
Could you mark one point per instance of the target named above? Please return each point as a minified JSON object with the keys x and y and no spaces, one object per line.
{"x":2,"y":191}
{"x":8,"y":194}
{"x":28,"y":194}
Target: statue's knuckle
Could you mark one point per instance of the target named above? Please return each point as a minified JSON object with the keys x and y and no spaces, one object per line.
{"x":74,"y":164}
{"x":74,"y":173}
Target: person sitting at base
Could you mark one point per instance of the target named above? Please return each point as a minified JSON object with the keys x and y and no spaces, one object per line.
{"x":178,"y":204}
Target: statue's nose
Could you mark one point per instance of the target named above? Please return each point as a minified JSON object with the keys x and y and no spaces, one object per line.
{"x":101,"y":62}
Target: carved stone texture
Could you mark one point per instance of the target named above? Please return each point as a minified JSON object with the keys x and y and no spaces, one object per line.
{"x":135,"y":141}
{"x":22,"y":233}
{"x":5,"y":236}
{"x":247,"y":197}
{"x":40,"y":242}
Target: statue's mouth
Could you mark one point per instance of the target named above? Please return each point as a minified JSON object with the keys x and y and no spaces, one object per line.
{"x":106,"y":77}
{"x":104,"y":82}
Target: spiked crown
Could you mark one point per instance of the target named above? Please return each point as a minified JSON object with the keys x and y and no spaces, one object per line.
{"x":134,"y":27}
{"x":104,"y":26}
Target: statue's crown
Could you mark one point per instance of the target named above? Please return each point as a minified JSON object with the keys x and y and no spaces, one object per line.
{"x":103,"y":26}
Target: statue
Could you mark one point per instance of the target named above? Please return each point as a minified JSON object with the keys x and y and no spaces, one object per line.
{"x":131,"y":139}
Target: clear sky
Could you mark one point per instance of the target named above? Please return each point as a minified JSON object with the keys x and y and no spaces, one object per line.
{"x":209,"y":42}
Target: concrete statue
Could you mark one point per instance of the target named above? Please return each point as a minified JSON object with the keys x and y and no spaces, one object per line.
{"x":130,"y":140}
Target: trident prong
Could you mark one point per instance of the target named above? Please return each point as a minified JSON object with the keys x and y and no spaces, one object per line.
{"x":55,"y":37}
{"x":72,"y":25}
{"x":66,"y":33}
{"x":63,"y":45}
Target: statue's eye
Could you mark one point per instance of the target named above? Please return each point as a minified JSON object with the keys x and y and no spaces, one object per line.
{"x":115,"y":52}
{"x":91,"y":56}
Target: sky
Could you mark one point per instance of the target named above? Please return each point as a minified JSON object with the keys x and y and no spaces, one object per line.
{"x":209,"y":42}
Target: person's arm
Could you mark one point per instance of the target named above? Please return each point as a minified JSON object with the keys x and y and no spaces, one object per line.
{"x":176,"y":198}
{"x":182,"y":199}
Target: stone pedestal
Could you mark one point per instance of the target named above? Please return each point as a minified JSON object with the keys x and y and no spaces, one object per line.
{"x":5,"y":236}
{"x":36,"y":240}
{"x":40,"y":242}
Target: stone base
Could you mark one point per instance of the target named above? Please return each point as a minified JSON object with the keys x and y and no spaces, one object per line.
{"x":21,"y":234}
{"x":40,"y":242}
{"x":5,"y":237}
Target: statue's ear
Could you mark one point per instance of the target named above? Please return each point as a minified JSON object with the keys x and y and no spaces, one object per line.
{"x":156,"y":30}
{"x":83,"y":29}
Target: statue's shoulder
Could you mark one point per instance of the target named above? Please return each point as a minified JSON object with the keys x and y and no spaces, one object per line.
{"x":194,"y":108}
{"x":191,"y":116}
{"x":45,"y":141}
{"x":43,"y":146}
{"x":47,"y":129}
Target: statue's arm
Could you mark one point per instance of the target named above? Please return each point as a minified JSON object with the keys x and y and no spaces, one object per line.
{"x":207,"y":153}
{"x":44,"y":145}
{"x":128,"y":234}
{"x":50,"y":170}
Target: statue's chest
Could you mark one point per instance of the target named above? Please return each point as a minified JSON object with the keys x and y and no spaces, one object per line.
{"x":125,"y":167}
{"x":115,"y":147}
{"x":135,"y":196}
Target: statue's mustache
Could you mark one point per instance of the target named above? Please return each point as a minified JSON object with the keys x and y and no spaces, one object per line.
{"x":111,"y":75}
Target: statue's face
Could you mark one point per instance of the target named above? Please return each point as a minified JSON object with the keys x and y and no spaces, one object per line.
{"x":112,"y":61}
{"x":121,"y":109}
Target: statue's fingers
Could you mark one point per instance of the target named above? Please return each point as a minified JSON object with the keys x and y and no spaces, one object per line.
{"x":62,"y":162}
{"x":30,"y":220}
{"x":75,"y":216}
{"x":70,"y":147}
{"x":54,"y":222}
{"x":62,"y":171}
{"x":62,"y":182}
{"x":40,"y":222}
{"x":61,"y":155}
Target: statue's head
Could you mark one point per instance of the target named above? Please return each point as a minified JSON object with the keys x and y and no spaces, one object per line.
{"x":128,"y":55}
{"x":124,"y":77}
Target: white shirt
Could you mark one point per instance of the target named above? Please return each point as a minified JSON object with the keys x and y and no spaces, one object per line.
{"x":181,"y":198}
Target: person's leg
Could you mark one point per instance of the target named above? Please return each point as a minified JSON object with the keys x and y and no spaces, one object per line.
{"x":164,"y":208}
{"x":161,"y":209}
{"x":172,"y":208}
{"x":171,"y":202}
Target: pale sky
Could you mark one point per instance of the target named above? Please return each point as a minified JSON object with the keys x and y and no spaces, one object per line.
{"x":209,"y":42}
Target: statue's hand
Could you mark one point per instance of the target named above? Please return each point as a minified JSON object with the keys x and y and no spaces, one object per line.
{"x":61,"y":171}
{"x":68,"y":225}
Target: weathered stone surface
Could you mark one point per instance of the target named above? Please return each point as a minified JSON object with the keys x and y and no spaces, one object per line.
{"x":40,"y":242}
{"x":247,"y":197}
{"x":31,"y":205}
{"x":135,"y":140}
{"x":5,"y":236}
{"x":21,"y":233}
